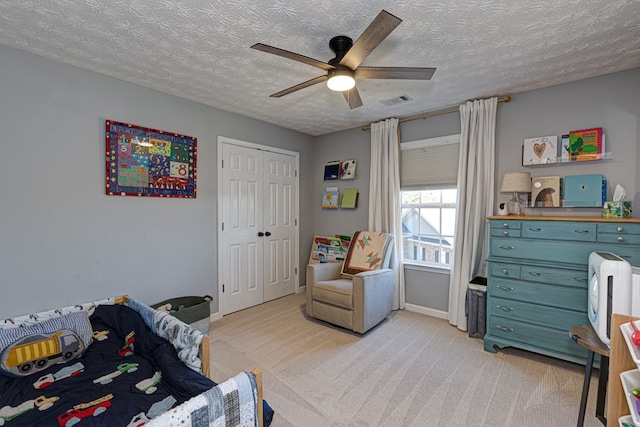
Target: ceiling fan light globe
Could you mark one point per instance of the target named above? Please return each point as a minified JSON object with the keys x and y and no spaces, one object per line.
{"x":341,"y":80}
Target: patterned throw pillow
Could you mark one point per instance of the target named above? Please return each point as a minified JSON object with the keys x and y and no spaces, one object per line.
{"x":366,"y":252}
{"x":28,"y":349}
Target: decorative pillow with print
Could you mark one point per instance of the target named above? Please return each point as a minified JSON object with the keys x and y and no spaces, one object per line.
{"x":366,"y":252}
{"x":28,"y":349}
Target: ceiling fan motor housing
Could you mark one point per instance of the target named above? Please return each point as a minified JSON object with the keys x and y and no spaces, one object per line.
{"x":339,"y":45}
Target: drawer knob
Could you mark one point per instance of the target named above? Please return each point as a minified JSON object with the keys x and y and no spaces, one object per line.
{"x":620,"y":229}
{"x":504,"y":328}
{"x":504,"y":288}
{"x":535,"y":274}
{"x":505,"y":233}
{"x":505,"y":225}
{"x":620,"y":239}
{"x":503,"y":308}
{"x":505,"y":271}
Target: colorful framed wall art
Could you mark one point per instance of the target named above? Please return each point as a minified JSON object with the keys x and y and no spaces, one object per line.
{"x":148,"y":162}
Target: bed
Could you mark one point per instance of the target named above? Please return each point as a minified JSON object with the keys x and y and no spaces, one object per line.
{"x":117,"y":362}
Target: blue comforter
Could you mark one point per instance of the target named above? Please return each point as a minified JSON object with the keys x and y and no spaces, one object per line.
{"x":127,"y":376}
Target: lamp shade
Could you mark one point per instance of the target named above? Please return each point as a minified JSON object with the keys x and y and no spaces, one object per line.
{"x":516,"y":182}
{"x":341,"y":79}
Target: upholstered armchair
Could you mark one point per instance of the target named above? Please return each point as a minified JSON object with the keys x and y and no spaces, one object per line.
{"x":358,"y":293}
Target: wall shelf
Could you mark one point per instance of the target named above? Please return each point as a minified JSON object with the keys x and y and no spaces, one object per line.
{"x":560,"y":162}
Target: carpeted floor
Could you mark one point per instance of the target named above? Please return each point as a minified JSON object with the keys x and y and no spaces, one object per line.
{"x":411,"y":370}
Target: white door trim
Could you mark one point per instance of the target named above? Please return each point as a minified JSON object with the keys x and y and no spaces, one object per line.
{"x":226,"y":140}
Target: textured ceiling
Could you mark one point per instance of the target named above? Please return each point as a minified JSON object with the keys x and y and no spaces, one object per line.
{"x":199,"y":49}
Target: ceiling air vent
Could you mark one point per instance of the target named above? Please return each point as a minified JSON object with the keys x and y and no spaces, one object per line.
{"x":397,"y":100}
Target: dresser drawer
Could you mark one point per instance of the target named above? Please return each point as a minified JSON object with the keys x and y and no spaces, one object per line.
{"x":539,"y":315}
{"x":555,"y":276}
{"x":626,"y":239}
{"x":619,"y":228}
{"x":539,"y":250}
{"x":510,"y":271}
{"x":631,"y":253}
{"x":556,"y":340}
{"x":550,"y":295}
{"x":504,"y":225}
{"x":505,"y":232}
{"x":574,"y":231}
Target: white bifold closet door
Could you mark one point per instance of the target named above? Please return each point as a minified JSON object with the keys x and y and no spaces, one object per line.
{"x":258,"y":230}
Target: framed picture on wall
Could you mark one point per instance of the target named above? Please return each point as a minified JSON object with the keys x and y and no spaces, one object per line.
{"x":147,"y":162}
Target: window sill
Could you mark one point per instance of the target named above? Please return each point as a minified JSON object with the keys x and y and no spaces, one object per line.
{"x":430,"y":268}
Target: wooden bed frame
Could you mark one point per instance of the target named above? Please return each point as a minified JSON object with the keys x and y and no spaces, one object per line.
{"x":206,"y":362}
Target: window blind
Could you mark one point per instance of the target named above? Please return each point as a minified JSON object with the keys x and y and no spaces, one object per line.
{"x":429,"y":162}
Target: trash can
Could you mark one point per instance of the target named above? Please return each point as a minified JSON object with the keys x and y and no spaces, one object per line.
{"x":476,"y":309}
{"x":195,"y":311}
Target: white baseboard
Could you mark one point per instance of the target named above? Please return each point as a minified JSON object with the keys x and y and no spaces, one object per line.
{"x":428,"y":311}
{"x":215,"y":316}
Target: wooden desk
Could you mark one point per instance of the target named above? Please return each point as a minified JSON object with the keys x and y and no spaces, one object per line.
{"x":585,"y":336}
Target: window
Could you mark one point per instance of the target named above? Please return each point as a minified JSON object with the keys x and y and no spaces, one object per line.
{"x":428,"y":223}
{"x":428,"y":175}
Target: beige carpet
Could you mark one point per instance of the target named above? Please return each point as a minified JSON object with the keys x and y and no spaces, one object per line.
{"x":411,"y":370}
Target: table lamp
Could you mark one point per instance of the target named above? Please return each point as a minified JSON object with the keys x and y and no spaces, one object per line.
{"x":516,"y":182}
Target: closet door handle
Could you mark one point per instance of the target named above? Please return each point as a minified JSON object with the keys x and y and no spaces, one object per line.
{"x":503,"y":308}
{"x":504,"y":288}
{"x":268,"y":233}
{"x":260,"y":234}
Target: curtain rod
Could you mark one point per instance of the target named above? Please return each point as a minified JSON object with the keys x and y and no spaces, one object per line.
{"x":437,"y":113}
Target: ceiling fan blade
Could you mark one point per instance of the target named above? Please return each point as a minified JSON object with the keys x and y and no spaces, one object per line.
{"x":290,"y":55}
{"x":375,"y":33}
{"x":352,"y":96}
{"x":297,"y":87}
{"x":407,"y":73}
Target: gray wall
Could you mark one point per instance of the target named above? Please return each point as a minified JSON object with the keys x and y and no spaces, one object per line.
{"x":62,"y":240}
{"x":611,"y":101}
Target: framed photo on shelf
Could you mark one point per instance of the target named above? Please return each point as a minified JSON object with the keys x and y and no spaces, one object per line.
{"x":348,"y":169}
{"x":540,"y":151}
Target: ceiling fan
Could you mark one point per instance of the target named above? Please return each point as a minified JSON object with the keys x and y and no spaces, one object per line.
{"x":345,"y":67}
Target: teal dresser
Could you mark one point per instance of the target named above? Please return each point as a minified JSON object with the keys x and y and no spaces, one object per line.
{"x":537,"y":278}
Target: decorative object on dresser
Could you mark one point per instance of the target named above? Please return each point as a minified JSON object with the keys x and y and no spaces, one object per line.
{"x":585,"y":191}
{"x":516,"y":182}
{"x":538,"y":278}
{"x":546,"y":191}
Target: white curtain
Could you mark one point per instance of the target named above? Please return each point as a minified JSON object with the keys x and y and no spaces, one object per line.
{"x":475,"y":201}
{"x":384,"y":195}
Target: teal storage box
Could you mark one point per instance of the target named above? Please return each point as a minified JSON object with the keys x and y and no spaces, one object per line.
{"x":585,"y":191}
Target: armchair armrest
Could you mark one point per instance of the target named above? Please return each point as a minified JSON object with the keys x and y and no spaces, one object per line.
{"x":373,"y":294}
{"x":320,"y":273}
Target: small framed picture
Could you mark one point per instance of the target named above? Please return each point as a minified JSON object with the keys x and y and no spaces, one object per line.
{"x":542,"y":150}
